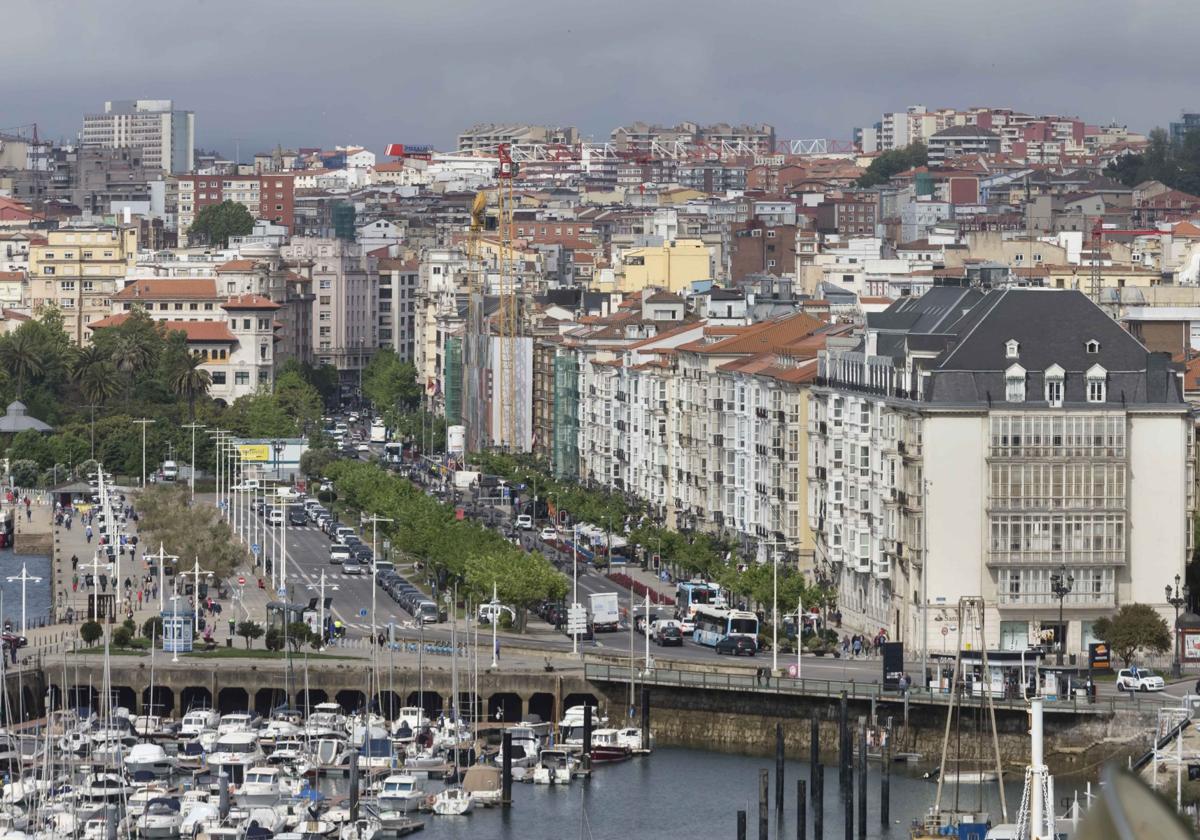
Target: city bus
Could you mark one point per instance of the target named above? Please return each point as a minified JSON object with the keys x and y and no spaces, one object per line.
{"x":691,"y":594}
{"x":714,"y":624}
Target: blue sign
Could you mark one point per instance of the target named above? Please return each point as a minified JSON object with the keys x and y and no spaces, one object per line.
{"x":362,"y":613}
{"x":281,"y":592}
{"x":255,"y":548}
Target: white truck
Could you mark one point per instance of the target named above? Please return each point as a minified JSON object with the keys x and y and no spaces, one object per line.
{"x":605,"y":614}
{"x":378,"y":432}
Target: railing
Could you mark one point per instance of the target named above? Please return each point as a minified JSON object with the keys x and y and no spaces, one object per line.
{"x":750,"y":681}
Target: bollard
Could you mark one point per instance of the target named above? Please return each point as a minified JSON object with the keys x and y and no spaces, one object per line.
{"x":862,"y":783}
{"x":506,"y":771}
{"x":885,"y":783}
{"x":587,"y":737}
{"x":843,"y":729}
{"x":848,"y":788}
{"x":741,"y":825}
{"x":778,"y":775}
{"x":818,"y":795}
{"x":353,"y":786}
{"x":764,"y":780}
{"x":223,"y":800}
{"x":801,"y":817}
{"x":814,"y":751}
{"x":645,"y":719}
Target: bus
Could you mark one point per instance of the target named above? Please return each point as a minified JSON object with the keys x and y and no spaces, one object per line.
{"x":693,"y":593}
{"x":714,"y":624}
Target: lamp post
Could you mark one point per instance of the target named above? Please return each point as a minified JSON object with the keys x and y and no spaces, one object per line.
{"x":25,"y":578}
{"x":192,"y":463}
{"x":1176,"y":597}
{"x":1060,"y":588}
{"x":160,"y":557}
{"x":320,"y":588}
{"x":143,"y":423}
{"x":196,"y":570}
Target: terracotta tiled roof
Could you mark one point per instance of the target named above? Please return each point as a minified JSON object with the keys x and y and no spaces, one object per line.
{"x":236,"y":265}
{"x":758,"y":338}
{"x":1186,"y":230}
{"x":172,"y":288}
{"x":249,"y":302}
{"x":197,"y":331}
{"x":11,"y":276}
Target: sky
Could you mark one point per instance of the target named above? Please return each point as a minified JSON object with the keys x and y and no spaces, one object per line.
{"x":258,"y":73}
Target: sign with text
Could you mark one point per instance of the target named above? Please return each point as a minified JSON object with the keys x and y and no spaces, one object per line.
{"x":1190,"y":642}
{"x":1099,"y":656}
{"x":254,"y":451}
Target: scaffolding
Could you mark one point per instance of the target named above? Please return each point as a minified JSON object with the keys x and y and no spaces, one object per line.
{"x":452,"y":375}
{"x":564,"y":452}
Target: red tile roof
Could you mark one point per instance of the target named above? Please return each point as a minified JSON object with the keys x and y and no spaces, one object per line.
{"x":249,"y":302}
{"x":236,"y":265}
{"x":169,"y":288}
{"x":197,"y":331}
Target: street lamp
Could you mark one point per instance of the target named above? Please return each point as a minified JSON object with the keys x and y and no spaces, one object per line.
{"x":1177,"y":598}
{"x":1060,"y":588}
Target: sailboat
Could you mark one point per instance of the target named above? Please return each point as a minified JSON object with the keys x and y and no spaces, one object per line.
{"x":453,"y":801}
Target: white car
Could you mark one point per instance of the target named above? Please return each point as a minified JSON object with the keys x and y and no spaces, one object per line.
{"x":549,"y":534}
{"x":362,"y":447}
{"x":1139,"y":679}
{"x":488,"y":611}
{"x":525,"y":522}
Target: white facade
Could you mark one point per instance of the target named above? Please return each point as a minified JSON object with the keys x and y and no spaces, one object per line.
{"x":165,"y":136}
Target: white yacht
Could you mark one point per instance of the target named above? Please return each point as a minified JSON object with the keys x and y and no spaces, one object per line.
{"x":554,"y":767}
{"x":400,"y":792}
{"x":263,"y":786}
{"x":99,"y":788}
{"x":326,"y":719}
{"x":161,"y":819}
{"x":452,"y":802}
{"x":571,"y":725}
{"x":197,"y":721}
{"x":148,"y":758}
{"x":235,"y":722}
{"x":234,"y":754}
{"x":331,"y":751}
{"x":525,"y":746}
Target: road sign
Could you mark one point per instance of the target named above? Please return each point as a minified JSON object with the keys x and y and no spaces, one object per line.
{"x":362,"y":613}
{"x":242,"y":581}
{"x":945,"y":631}
{"x":255,"y":549}
{"x":576,"y":619}
{"x":281,"y":592}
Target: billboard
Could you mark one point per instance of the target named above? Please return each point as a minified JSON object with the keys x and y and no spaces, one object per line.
{"x":254,"y":451}
{"x":1099,"y":656}
{"x":893,"y":664}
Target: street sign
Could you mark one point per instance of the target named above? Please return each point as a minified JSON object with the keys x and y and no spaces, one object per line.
{"x":255,"y":549}
{"x":576,"y":619}
{"x":362,"y":613}
{"x":945,"y":631}
{"x":281,"y":592}
{"x":242,"y":581}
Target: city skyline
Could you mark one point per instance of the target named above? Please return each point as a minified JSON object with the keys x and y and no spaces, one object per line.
{"x":237,"y":75}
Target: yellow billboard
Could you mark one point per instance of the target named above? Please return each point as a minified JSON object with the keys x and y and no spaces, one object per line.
{"x":254,"y":451}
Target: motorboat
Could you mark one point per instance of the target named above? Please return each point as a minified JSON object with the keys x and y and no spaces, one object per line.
{"x":135,"y":806}
{"x":235,"y":753}
{"x":631,"y":736}
{"x":483,"y":783}
{"x":197,"y":721}
{"x":554,"y":767}
{"x":236,"y":722}
{"x":410,"y":717}
{"x":607,"y":748}
{"x":100,"y":788}
{"x":287,"y":751}
{"x":452,"y":802}
{"x":10,"y":753}
{"x":364,"y":828}
{"x":571,"y":726}
{"x":281,"y":727}
{"x":525,"y":746}
{"x":264,"y":822}
{"x":191,"y":755}
{"x":263,"y":786}
{"x":374,"y":747}
{"x":400,"y":792}
{"x":163,"y":817}
{"x":326,"y":719}
{"x":153,"y":726}
{"x":148,"y":758}
{"x":331,"y":751}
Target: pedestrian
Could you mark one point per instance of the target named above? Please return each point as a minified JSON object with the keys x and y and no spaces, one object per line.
{"x":87,"y":532}
{"x":139,"y":594}
{"x":74,"y":583}
{"x":74,"y":562}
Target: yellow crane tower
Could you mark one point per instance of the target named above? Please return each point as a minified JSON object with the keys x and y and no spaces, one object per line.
{"x":508,"y":316}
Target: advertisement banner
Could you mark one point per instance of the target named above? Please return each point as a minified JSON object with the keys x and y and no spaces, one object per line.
{"x":254,"y":451}
{"x":1191,"y":645}
{"x":1099,"y":656}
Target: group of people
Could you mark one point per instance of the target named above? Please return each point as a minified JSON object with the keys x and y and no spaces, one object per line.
{"x":861,"y":645}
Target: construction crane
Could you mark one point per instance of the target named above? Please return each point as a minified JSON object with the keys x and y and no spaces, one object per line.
{"x":509,"y":316}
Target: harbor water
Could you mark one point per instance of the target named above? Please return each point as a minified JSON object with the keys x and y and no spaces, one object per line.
{"x":37,"y":594}
{"x":679,"y":794}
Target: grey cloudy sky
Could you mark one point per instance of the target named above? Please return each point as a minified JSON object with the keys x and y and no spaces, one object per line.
{"x":305,"y":73}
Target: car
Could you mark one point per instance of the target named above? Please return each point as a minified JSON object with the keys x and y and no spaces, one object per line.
{"x":548,"y":534}
{"x":737,"y":645}
{"x":10,"y":640}
{"x":488,"y":611}
{"x":525,"y":522}
{"x":1139,"y":679}
{"x":275,"y":516}
{"x":343,"y":531}
{"x":672,"y":636}
{"x":297,"y":516}
{"x":351,"y":567}
{"x":339,"y":554}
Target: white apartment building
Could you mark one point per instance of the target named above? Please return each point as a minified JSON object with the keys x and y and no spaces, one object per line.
{"x":166,"y":136}
{"x":345,"y":286}
{"x":442,"y":280}
{"x":398,"y":281}
{"x":975,"y":444}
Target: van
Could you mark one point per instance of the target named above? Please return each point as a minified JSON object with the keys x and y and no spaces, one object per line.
{"x":170,"y":471}
{"x":525,"y":522}
{"x":426,"y":612}
{"x":342,"y":532}
{"x":339,"y":554}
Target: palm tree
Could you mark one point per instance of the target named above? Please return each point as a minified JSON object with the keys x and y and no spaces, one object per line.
{"x":130,"y":355}
{"x":190,"y":380}
{"x":20,"y":358}
{"x":99,"y":382}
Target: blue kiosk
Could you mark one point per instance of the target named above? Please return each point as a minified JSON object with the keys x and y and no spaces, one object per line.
{"x":177,"y":631}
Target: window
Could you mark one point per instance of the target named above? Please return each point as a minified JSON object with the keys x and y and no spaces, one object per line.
{"x":1096,"y":378}
{"x":1054,"y":386}
{"x":241,"y":377}
{"x":218,"y":377}
{"x":1092,"y":346}
{"x":1014,"y":384}
{"x":264,"y":324}
{"x":1012,"y":349}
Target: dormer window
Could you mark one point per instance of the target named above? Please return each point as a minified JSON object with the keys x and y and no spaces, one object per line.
{"x":1054,"y":386}
{"x":1012,"y":349}
{"x":1097,"y":378}
{"x":1014,"y":384}
{"x":1093,"y":347}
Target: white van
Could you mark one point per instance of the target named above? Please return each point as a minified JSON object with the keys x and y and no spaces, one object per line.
{"x":170,"y":471}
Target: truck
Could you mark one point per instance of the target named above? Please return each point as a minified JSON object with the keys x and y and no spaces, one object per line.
{"x":605,"y":614}
{"x":378,"y":432}
{"x":463,"y":479}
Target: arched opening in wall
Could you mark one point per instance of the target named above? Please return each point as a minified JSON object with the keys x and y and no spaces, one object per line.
{"x":267,"y":700}
{"x":83,"y":697}
{"x":233,"y":699}
{"x":542,"y":705}
{"x":430,"y":701}
{"x":194,"y":697}
{"x":351,"y":700}
{"x":505,"y":707}
{"x":387,"y":702}
{"x":470,"y":707}
{"x":125,"y":698}
{"x":308,"y":698}
{"x":162,"y":703}
{"x":580,"y":699}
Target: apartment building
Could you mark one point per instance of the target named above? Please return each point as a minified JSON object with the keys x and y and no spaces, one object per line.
{"x":268,"y":197}
{"x":969,"y":443}
{"x":959,"y":141}
{"x":485,"y":137}
{"x":345,"y":284}
{"x":641,"y":138}
{"x":398,"y":281}
{"x":165,"y":136}
{"x":261,"y":271}
{"x":79,"y":270}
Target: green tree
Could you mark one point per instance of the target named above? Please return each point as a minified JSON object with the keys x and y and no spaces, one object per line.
{"x":21,"y":358}
{"x":249,"y":630}
{"x":24,"y":472}
{"x":298,"y":399}
{"x":90,"y":632}
{"x":190,"y":381}
{"x":314,"y":462}
{"x":93,"y":370}
{"x":152,"y":628}
{"x":389,"y":383}
{"x":274,"y":639}
{"x":217,"y":222}
{"x":1135,"y":627}
{"x":889,"y":163}
{"x":298,"y":635}
{"x":121,"y":636}
{"x":521,"y":580}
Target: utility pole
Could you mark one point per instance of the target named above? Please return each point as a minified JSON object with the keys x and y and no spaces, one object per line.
{"x":144,"y":423}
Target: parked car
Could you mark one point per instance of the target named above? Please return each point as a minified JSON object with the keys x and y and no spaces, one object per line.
{"x":672,"y":636}
{"x":339,"y":554}
{"x":548,"y":534}
{"x":737,"y":645}
{"x":489,"y":611}
{"x":1139,"y":679}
